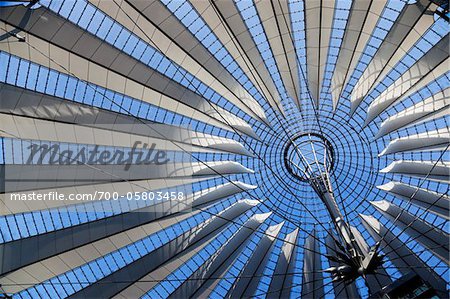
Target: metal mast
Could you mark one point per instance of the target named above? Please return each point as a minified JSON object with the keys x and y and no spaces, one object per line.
{"x":311,"y":160}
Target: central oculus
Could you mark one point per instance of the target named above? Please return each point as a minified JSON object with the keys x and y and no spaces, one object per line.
{"x":308,"y":156}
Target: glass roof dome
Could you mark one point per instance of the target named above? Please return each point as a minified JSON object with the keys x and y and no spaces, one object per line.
{"x":173,"y":144}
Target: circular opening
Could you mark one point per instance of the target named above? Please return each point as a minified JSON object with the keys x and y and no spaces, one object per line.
{"x":308,"y":155}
